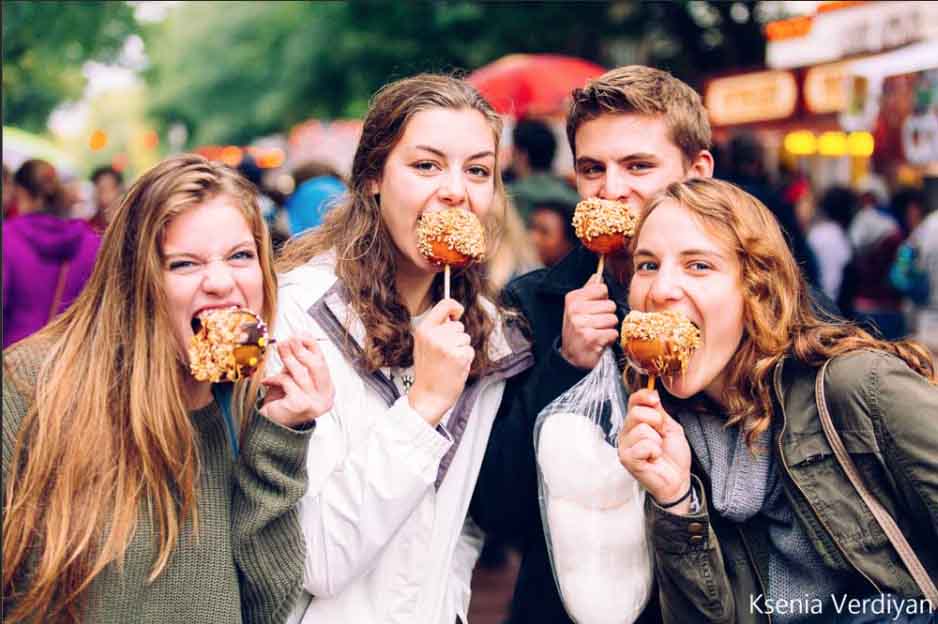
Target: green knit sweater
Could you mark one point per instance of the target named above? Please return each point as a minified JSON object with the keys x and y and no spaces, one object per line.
{"x":245,"y":564}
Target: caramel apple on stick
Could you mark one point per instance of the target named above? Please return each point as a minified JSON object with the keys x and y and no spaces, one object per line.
{"x":604,"y":226}
{"x":659,"y":343}
{"x":451,"y":238}
{"x":228,"y":344}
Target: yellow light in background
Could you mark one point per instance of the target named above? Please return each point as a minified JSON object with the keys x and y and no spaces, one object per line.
{"x":832,"y":144}
{"x":231,"y":155}
{"x":800,"y":143}
{"x":97,"y":140}
{"x":860,"y":144}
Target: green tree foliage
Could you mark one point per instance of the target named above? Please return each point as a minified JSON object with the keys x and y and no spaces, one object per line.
{"x":45,"y":45}
{"x":231,"y":71}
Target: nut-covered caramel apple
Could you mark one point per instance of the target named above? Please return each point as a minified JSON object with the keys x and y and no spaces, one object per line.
{"x":451,"y":237}
{"x":228,"y":344}
{"x":659,"y":343}
{"x":604,"y":226}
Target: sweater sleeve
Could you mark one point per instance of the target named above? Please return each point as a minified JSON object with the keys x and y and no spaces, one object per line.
{"x":14,"y":409}
{"x":20,"y":369}
{"x":270,"y":477}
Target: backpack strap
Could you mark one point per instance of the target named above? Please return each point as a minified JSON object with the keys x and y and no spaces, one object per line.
{"x":885,"y":521}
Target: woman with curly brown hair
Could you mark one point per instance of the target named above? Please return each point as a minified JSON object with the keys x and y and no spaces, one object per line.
{"x":127,"y":495}
{"x":750,"y":513}
{"x":418,"y":377}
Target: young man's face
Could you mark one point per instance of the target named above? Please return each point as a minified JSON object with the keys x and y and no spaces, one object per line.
{"x":629,"y":157}
{"x":548,"y":235}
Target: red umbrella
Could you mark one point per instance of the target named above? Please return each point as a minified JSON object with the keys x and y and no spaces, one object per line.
{"x":532,"y":84}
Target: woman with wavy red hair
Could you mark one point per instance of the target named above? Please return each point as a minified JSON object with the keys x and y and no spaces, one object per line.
{"x":750,"y":514}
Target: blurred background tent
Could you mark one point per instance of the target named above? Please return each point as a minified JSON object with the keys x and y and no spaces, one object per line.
{"x":536,"y":85}
{"x":19,"y":146}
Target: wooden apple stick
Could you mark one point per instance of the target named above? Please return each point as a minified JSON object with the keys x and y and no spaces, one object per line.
{"x":446,"y":282}
{"x":602,"y":263}
{"x":651,"y":382}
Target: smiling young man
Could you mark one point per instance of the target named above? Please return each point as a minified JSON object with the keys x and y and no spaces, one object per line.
{"x":633,"y":131}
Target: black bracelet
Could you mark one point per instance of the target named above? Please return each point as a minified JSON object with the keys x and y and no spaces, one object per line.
{"x":687,"y":494}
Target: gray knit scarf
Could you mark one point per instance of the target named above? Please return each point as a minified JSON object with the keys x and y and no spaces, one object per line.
{"x":746,"y":484}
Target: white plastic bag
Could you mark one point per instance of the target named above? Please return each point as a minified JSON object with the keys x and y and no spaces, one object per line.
{"x":591,"y":506}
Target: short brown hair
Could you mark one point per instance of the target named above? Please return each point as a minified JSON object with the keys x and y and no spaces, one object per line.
{"x":645,"y":91}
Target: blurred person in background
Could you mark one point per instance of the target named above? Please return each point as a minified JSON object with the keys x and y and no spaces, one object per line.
{"x":746,"y":169}
{"x":108,"y":189}
{"x":515,"y":253}
{"x":271,"y":203}
{"x":825,"y":225}
{"x":47,"y":256}
{"x":9,"y":196}
{"x":533,"y":149}
{"x":908,"y":208}
{"x":875,"y":236}
{"x":550,"y":226}
{"x":79,"y":195}
{"x":318,"y":187}
{"x":923,"y":243}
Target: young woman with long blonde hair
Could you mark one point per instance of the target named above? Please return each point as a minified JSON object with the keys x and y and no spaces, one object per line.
{"x":418,"y":377}
{"x":126,"y":495}
{"x":751,"y":515}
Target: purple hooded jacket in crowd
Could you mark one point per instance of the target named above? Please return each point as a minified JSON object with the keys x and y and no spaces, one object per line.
{"x":35,"y":246}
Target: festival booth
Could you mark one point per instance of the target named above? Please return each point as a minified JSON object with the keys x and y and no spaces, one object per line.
{"x":832,"y":101}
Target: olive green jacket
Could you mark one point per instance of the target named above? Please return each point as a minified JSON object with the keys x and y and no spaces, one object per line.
{"x":709,"y":569}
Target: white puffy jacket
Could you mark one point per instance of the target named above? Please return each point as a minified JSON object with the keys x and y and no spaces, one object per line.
{"x":387,"y":542}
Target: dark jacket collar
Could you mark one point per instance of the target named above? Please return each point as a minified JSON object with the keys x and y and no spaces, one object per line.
{"x":570,"y":273}
{"x":574,"y":270}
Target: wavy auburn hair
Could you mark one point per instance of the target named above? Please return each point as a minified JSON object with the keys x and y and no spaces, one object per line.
{"x":112,"y":372}
{"x":779,"y":317}
{"x":366,"y":261}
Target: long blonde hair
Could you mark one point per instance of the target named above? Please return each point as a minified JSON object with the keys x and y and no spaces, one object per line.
{"x":366,"y":262}
{"x":779,"y":317}
{"x":112,"y":374}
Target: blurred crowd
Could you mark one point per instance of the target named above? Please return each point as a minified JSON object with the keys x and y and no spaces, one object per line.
{"x":870,"y":249}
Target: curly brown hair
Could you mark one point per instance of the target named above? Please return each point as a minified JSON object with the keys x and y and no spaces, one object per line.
{"x":365,"y":253}
{"x":779,"y":316}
